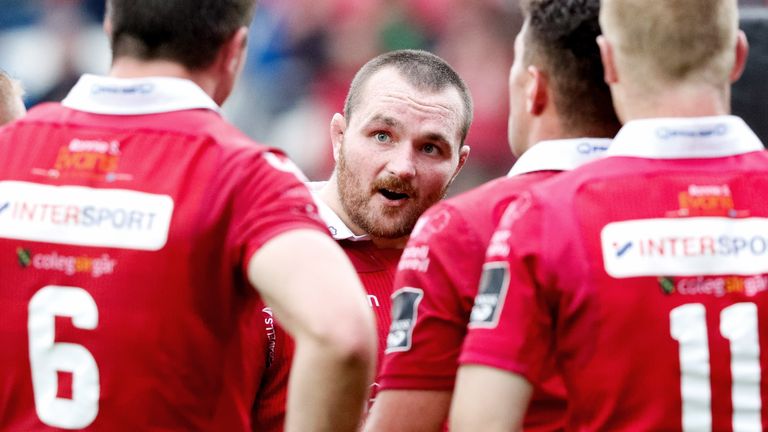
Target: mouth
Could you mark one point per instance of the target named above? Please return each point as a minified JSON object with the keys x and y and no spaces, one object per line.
{"x":392,"y":195}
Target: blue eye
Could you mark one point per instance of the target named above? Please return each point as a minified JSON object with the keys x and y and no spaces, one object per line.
{"x":381,"y":137}
{"x":430,"y":149}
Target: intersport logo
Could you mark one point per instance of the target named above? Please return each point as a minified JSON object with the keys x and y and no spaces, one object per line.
{"x":685,"y":247}
{"x":84,"y":216}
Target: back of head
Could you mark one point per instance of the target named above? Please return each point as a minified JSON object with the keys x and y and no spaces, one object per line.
{"x":561,"y":39}
{"x":423,"y":70}
{"x":188,"y":32}
{"x":11,"y":102}
{"x":669,"y":42}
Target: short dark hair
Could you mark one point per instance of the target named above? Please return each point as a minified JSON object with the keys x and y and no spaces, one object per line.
{"x":561,"y":38}
{"x":422,"y":69}
{"x":189,"y":32}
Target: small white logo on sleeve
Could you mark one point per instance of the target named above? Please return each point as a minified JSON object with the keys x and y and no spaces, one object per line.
{"x":697,"y":246}
{"x":415,"y":258}
{"x":84,"y":216}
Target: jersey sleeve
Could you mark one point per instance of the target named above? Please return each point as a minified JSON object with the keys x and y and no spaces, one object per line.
{"x":432,"y":298}
{"x":270,"y":201}
{"x":511,"y":326}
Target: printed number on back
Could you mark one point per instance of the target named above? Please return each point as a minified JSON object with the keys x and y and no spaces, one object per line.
{"x":738,"y":324}
{"x":49,"y":358}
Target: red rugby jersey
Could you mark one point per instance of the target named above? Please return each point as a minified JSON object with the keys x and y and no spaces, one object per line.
{"x":127,"y":219}
{"x":375,"y":267}
{"x":644,"y":275}
{"x":438,"y":275}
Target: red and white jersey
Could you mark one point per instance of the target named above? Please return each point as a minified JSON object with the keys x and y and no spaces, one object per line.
{"x":644,"y":275}
{"x":128,"y":215}
{"x":375,"y":267}
{"x":438,"y":275}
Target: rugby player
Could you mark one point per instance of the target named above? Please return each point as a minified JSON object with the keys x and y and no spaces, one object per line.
{"x":560,"y":117}
{"x":588,"y":269}
{"x":200,"y":227}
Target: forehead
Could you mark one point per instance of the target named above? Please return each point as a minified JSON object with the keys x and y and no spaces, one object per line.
{"x":387,"y":94}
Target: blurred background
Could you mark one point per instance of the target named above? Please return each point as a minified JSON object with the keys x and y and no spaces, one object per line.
{"x":304,"y":53}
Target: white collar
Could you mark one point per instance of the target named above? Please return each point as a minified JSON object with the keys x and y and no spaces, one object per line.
{"x":335,"y":225}
{"x":685,"y":138}
{"x":122,"y":96}
{"x":559,"y":155}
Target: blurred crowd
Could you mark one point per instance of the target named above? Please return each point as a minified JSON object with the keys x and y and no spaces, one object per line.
{"x":302,"y":56}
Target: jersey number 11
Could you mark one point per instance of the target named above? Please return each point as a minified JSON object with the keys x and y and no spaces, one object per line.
{"x":738,"y":324}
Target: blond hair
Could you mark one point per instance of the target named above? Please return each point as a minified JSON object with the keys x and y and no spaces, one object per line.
{"x":657,"y":42}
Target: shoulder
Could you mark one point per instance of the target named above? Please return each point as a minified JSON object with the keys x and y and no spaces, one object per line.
{"x":480,"y":208}
{"x":241,"y":153}
{"x":560,"y":190}
{"x":48,"y":112}
{"x":44,"y":110}
{"x":468,"y":201}
{"x":213,"y":125}
{"x":201,"y":125}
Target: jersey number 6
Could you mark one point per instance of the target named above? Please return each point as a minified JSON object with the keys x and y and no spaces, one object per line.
{"x":48,"y":358}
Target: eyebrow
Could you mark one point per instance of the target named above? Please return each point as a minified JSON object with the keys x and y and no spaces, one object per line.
{"x":389,"y":121}
{"x":394,"y":123}
{"x":437,"y":137}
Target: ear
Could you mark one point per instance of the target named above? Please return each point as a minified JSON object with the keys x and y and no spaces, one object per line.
{"x":338,"y":127}
{"x":536,"y":92}
{"x":234,"y":51}
{"x":463,"y":155}
{"x":609,"y":66}
{"x":742,"y":52}
{"x":227,"y":65}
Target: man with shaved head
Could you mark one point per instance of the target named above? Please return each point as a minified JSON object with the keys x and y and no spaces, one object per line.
{"x":560,"y":116}
{"x":398,"y":146}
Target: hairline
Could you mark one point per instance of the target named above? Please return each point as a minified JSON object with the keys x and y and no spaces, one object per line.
{"x":383,"y":62}
{"x":445,"y":88}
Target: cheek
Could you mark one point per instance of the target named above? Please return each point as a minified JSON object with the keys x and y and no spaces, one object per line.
{"x":358,"y":163}
{"x":437,"y":180}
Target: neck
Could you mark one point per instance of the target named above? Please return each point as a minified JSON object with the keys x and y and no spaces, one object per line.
{"x":546,"y":127}
{"x":330,"y":195}
{"x":128,"y":67}
{"x":554,"y":127}
{"x":675,"y":101}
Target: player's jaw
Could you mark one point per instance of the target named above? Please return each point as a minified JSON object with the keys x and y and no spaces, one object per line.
{"x":388,"y":208}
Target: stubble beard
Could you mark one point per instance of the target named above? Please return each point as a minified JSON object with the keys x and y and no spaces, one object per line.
{"x":383,"y":221}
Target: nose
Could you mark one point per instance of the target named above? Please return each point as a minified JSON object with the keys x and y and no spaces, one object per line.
{"x":401,"y":163}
